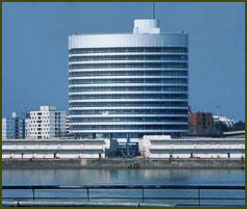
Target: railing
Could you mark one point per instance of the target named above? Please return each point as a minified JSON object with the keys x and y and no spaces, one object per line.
{"x":164,"y":198}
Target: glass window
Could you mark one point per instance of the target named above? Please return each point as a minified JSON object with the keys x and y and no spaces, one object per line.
{"x":132,"y":65}
{"x":127,"y":49}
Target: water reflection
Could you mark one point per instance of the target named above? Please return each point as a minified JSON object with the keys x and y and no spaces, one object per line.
{"x":123,"y":176}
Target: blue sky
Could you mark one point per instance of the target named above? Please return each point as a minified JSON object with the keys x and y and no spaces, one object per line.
{"x":35,"y":49}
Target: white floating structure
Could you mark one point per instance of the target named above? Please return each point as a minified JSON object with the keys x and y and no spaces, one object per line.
{"x":166,"y":147}
{"x":54,"y":148}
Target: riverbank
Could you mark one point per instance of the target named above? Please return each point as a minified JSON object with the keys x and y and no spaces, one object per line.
{"x":121,"y":163}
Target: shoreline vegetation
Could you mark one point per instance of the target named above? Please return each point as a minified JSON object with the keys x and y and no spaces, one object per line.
{"x":133,"y":163}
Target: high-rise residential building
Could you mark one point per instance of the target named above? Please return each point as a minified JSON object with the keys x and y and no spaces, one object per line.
{"x":129,"y":85}
{"x":4,"y":126}
{"x":46,"y":123}
{"x":13,"y":127}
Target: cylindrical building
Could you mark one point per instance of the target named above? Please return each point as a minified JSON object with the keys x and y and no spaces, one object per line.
{"x":128,"y":85}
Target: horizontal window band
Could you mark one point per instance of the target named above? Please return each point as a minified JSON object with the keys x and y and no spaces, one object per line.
{"x":122,"y":105}
{"x":168,"y":131}
{"x":127,"y":108}
{"x":127,"y":69}
{"x":176,"y":98}
{"x":108,"y":54}
{"x":180,"y":82}
{"x":126,"y":62}
{"x":167,"y":120}
{"x":128,"y":57}
{"x":126,"y":77}
{"x":127,"y":115}
{"x":153,"y":125}
{"x":119,"y":75}
{"x":127,"y":96}
{"x":126,"y":85}
{"x":176,"y":90}
{"x":175,"y":93}
{"x":130,"y":65}
{"x":128,"y":49}
{"x":126,"y":112}
{"x":127,"y":123}
{"x":127,"y":100}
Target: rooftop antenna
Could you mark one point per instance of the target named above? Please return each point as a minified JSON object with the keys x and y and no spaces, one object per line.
{"x":153,"y":10}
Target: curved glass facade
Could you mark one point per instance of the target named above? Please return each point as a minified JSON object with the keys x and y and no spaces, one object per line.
{"x":128,"y":84}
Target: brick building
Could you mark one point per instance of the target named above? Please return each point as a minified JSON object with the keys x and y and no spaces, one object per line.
{"x":200,"y":122}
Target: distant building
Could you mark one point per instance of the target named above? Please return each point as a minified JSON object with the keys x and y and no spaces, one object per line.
{"x":200,"y":123}
{"x":67,"y":125}
{"x":13,"y":127}
{"x":4,"y":124}
{"x":46,"y":123}
{"x":227,"y":121}
{"x":27,"y":127}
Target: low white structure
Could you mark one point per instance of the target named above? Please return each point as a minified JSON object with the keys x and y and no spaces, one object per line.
{"x":165,"y":147}
{"x":46,"y":123}
{"x":54,"y":148}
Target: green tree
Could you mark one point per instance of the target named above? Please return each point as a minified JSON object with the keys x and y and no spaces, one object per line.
{"x":239,"y":126}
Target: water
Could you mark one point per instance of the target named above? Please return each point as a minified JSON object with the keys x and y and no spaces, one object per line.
{"x":129,"y":177}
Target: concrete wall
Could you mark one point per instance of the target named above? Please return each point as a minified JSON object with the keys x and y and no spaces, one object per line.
{"x":120,"y":163}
